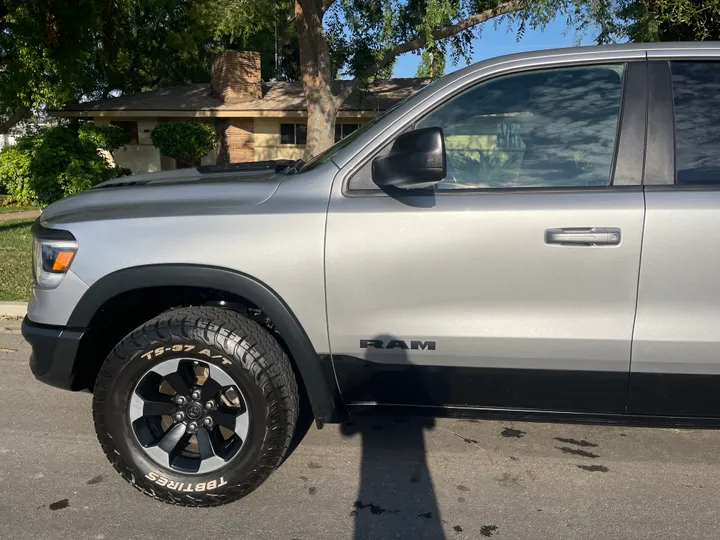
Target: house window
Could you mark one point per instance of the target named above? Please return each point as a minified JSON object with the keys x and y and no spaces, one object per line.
{"x":343,"y":130}
{"x":293,"y":133}
{"x":130,"y":128}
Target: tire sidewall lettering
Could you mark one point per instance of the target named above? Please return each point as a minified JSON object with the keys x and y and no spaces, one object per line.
{"x":174,"y":349}
{"x":209,"y":335}
{"x":186,"y":487}
{"x":194,"y":350}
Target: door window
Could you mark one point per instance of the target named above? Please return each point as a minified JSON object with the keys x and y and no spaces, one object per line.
{"x":696,"y":93}
{"x":542,"y":129}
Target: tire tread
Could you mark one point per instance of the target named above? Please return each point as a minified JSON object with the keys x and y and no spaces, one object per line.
{"x":225,"y":330}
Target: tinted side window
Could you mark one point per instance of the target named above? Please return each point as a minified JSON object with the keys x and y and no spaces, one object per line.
{"x":551,"y":128}
{"x":696,"y":89}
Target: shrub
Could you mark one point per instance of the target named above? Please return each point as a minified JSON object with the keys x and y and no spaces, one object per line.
{"x":51,"y":164}
{"x":108,"y":138}
{"x":184,"y":141}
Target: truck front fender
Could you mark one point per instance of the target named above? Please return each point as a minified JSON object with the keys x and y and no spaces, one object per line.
{"x":319,"y":384}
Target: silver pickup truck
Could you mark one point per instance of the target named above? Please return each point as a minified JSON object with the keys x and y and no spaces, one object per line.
{"x":533,"y":236}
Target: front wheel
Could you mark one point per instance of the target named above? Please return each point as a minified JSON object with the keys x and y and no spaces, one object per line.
{"x":196,"y":407}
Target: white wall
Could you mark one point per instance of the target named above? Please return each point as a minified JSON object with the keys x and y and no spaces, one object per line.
{"x":6,"y":139}
{"x":138,"y":158}
{"x":145,"y":128}
{"x":266,"y":140}
{"x":210,"y":158}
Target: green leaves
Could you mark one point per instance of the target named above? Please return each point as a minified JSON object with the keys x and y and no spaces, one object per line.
{"x":53,"y":52}
{"x":108,"y":138}
{"x":670,"y":20}
{"x":51,"y":164}
{"x":250,"y":25}
{"x":185,"y":141}
{"x":432,"y":63}
{"x":44,"y":51}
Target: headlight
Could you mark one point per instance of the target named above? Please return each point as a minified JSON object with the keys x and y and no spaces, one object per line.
{"x":51,"y":260}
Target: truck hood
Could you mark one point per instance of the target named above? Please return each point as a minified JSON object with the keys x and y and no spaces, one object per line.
{"x":170,"y":193}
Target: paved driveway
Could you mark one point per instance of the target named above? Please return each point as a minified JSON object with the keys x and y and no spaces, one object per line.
{"x":372,"y":479}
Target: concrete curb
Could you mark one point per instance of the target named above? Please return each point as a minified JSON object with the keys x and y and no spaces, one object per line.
{"x":13,"y":309}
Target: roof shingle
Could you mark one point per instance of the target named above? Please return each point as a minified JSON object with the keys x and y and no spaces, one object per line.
{"x":277,"y":96}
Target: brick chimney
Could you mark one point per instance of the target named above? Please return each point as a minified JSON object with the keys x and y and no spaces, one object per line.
{"x":236,"y":76}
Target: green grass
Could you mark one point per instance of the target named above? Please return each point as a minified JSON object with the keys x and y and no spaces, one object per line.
{"x":15,"y":259}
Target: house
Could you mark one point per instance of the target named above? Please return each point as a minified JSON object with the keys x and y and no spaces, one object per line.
{"x":6,"y":139}
{"x":24,"y":127}
{"x":254,"y":120}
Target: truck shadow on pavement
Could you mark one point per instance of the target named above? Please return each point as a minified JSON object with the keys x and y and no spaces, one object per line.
{"x":396,"y":497}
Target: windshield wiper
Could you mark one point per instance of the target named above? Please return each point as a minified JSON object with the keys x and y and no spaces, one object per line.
{"x":294,"y":167}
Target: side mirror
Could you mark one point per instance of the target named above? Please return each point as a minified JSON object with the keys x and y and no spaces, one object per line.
{"x":416,"y":160}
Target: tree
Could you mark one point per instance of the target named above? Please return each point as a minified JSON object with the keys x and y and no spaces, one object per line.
{"x":185,"y":141}
{"x":362,"y":39}
{"x":42,"y":58}
{"x":250,"y":25}
{"x":108,"y":138}
{"x":53,"y":163}
{"x":669,"y":20}
{"x":57,"y":51}
{"x":53,"y":52}
{"x":432,"y":63}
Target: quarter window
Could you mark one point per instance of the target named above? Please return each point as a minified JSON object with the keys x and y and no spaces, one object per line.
{"x":541,"y":129}
{"x":293,"y":133}
{"x":696,"y":90}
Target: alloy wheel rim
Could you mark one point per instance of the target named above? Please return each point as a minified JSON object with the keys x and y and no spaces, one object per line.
{"x":189,"y":416}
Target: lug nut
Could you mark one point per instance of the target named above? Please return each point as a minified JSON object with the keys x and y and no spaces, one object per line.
{"x":195,"y":394}
{"x":210,"y":405}
{"x":180,"y":400}
{"x":207,"y":421}
{"x":179,"y":417}
{"x":192,"y":427}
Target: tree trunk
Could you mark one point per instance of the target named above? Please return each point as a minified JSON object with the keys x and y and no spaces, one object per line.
{"x":18,"y":115}
{"x":315,"y":68}
{"x":322,"y":105}
{"x":322,"y":111}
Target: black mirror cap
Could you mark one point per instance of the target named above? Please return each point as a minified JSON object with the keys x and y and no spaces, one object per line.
{"x":416,"y":160}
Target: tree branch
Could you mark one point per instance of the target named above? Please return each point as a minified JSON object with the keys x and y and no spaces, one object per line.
{"x":326,"y":4}
{"x":388,"y":56}
{"x":18,"y":115}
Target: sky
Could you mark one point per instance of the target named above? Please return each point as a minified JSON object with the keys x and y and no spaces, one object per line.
{"x":498,"y":41}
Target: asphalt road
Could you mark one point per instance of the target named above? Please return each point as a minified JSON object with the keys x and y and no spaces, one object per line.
{"x":372,"y":479}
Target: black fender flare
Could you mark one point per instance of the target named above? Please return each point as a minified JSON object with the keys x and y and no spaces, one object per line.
{"x":322,"y":393}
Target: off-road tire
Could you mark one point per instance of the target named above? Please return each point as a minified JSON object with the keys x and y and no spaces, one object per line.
{"x":256,"y":361}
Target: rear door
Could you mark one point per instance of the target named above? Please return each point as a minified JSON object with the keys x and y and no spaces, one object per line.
{"x":676,"y":348}
{"x":513,"y":284}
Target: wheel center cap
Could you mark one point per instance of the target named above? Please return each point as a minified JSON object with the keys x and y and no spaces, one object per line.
{"x":194,"y":411}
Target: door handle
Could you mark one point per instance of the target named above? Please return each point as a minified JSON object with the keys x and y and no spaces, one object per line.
{"x":589,"y":236}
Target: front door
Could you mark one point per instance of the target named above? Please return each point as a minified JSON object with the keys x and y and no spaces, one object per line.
{"x":513,"y":283}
